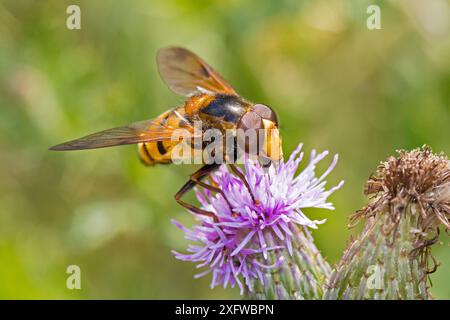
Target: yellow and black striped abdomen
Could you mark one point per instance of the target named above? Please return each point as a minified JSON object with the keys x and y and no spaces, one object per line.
{"x":160,"y":151}
{"x":155,"y":152}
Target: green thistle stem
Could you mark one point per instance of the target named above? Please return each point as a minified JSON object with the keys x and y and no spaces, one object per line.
{"x":301,"y":275}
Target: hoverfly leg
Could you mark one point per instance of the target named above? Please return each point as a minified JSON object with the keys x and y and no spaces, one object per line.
{"x":213,"y":189}
{"x":242,"y":177}
{"x":195,"y":179}
{"x":188,"y":186}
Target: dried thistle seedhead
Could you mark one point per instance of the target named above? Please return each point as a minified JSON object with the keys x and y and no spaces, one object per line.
{"x":414,"y":177}
{"x":412,"y":174}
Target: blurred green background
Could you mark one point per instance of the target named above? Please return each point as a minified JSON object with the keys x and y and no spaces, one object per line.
{"x":335,"y":84}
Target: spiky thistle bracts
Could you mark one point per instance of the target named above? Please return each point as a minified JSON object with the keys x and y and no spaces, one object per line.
{"x":249,"y":240}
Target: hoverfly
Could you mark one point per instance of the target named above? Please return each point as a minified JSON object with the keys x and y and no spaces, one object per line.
{"x":209,"y":99}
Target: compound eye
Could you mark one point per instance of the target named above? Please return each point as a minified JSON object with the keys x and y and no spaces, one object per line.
{"x":250,"y":120}
{"x":265,"y":112}
{"x":248,"y":139}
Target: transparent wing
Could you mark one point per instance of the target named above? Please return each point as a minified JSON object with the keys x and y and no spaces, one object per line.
{"x":187,"y":74}
{"x":142,"y":131}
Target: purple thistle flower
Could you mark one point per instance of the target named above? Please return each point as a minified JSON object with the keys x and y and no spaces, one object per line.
{"x":235,"y":246}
